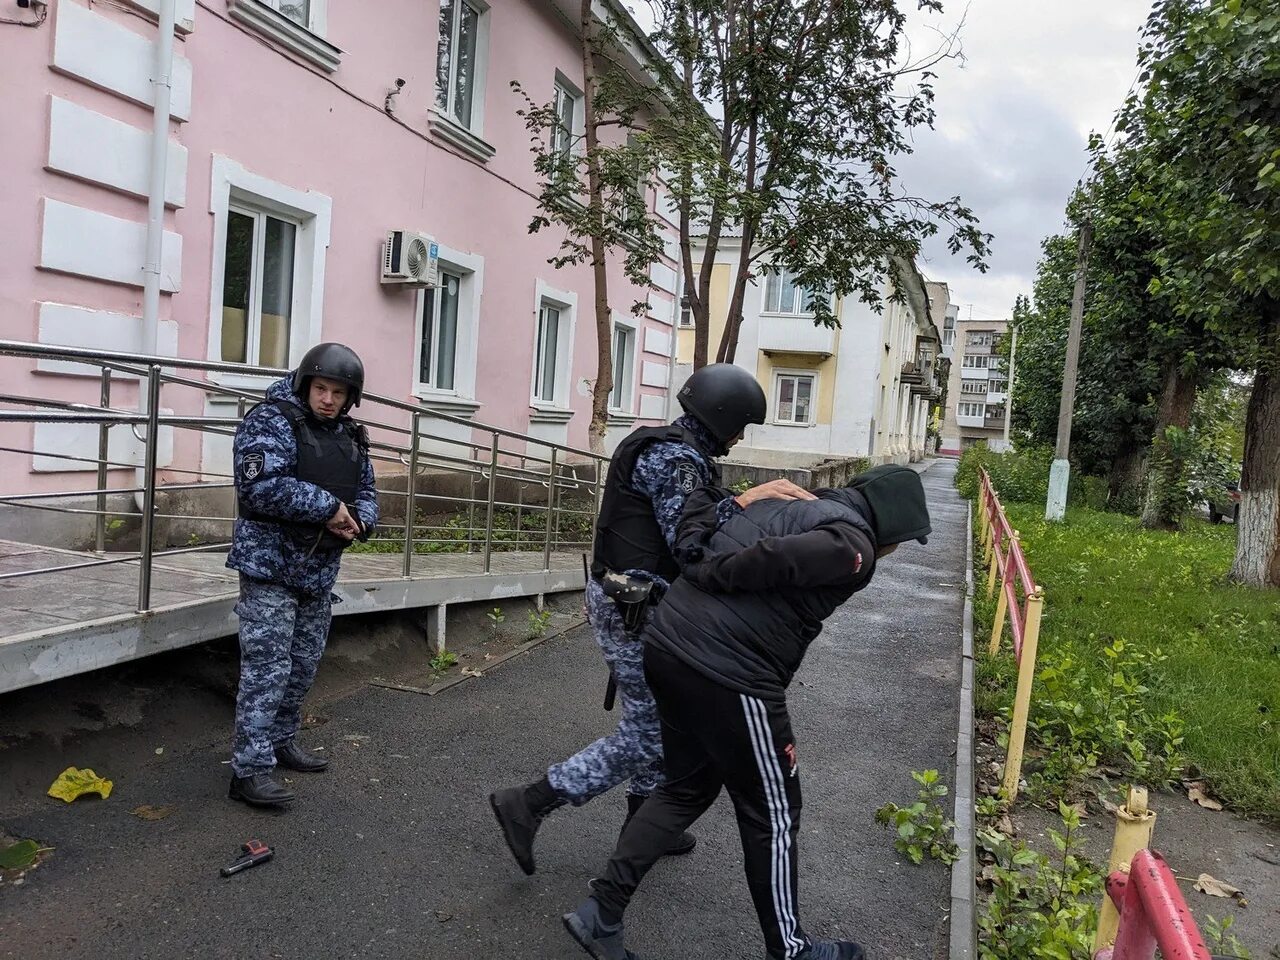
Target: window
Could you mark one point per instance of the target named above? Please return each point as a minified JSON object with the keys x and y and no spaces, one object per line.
{"x":783,"y":295}
{"x":971,"y":409}
{"x":998,"y":385}
{"x":566,"y":106}
{"x":257,"y":288}
{"x":948,"y":337}
{"x":299,"y":11}
{"x":544,"y":386}
{"x":624,"y":352}
{"x":974,"y":386}
{"x":795,"y":398}
{"x":995,"y":411}
{"x":270,"y":243}
{"x":980,"y":338}
{"x":438,"y":344}
{"x":686,"y":313}
{"x":457,"y":76}
{"x":976,"y":361}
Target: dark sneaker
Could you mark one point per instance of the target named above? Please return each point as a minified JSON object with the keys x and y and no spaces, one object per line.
{"x":260,"y":790}
{"x":519,"y":822}
{"x":293,"y":757}
{"x":831,"y":950}
{"x":594,"y":936}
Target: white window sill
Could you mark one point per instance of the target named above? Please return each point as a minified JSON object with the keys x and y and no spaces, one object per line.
{"x":540,"y":413}
{"x":446,"y":128}
{"x":792,"y":316}
{"x":447,"y":403}
{"x":254,"y":382}
{"x":288,"y":34}
{"x":792,"y":423}
{"x":622,"y":418}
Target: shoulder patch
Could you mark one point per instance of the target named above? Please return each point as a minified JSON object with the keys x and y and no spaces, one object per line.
{"x":687,"y":478}
{"x":251,"y":465}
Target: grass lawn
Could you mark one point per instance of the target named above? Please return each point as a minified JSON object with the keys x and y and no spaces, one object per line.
{"x":1105,"y":578}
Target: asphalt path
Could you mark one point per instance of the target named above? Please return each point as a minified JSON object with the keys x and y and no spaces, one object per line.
{"x":394,"y":853}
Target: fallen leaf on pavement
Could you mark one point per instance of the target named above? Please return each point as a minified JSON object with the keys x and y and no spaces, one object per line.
{"x":1005,"y":826}
{"x":471,"y":672}
{"x":148,"y":812}
{"x":73,"y":783}
{"x":19,"y":855}
{"x":1219,"y":888}
{"x":443,"y":917}
{"x":1196,"y":794}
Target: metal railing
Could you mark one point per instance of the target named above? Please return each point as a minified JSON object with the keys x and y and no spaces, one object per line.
{"x":1153,"y":914}
{"x":1022,"y":599}
{"x":568,"y":480}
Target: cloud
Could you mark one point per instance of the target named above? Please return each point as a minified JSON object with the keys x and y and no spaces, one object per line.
{"x":1012,"y":122}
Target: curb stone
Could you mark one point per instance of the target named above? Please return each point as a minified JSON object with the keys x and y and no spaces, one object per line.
{"x":964,"y":930}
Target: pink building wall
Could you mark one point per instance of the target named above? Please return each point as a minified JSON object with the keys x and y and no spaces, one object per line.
{"x":258,"y":105}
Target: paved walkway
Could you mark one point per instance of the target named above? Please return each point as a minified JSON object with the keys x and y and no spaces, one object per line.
{"x":394,"y":853}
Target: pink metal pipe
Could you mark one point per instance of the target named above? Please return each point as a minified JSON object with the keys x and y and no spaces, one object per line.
{"x":1152,"y":913}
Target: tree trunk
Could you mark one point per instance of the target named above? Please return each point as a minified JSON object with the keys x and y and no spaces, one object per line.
{"x":599,"y":260}
{"x":1124,"y":481}
{"x":1257,"y":560}
{"x":1166,"y":477}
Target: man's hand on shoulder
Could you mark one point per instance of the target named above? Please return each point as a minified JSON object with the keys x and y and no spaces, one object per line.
{"x":774,"y":490}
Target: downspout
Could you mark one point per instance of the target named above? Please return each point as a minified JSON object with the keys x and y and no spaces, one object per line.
{"x":162,"y":89}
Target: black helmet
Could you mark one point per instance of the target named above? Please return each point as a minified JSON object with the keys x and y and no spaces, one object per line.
{"x":333,"y":361}
{"x":725,"y":398}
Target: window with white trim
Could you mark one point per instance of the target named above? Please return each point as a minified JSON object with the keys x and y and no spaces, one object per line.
{"x":794,"y":395}
{"x":782,"y":294}
{"x":976,"y":361}
{"x":270,"y":244}
{"x":971,"y":409}
{"x":299,"y":11}
{"x":686,"y":313}
{"x":567,"y":103}
{"x":974,"y":386}
{"x":257,"y":287}
{"x":438,"y":336}
{"x":458,"y":79}
{"x":624,"y":362}
{"x":547,"y":388}
{"x":980,"y":338}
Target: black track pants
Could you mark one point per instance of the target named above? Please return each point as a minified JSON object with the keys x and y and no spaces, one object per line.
{"x":713,"y":737}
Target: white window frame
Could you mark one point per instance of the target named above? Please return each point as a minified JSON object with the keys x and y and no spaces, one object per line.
{"x":233,"y":185}
{"x":443,"y":121}
{"x":626,"y":388}
{"x":563,"y":86}
{"x":799,"y":295}
{"x":981,"y":406}
{"x":979,"y":338}
{"x":778,"y":376}
{"x":685,"y":311}
{"x":308,"y":41}
{"x":973,"y":388}
{"x":471,"y":268}
{"x":975,"y":357}
{"x":566,"y":301}
{"x":253,"y":318}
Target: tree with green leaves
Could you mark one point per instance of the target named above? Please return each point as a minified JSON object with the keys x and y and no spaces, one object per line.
{"x":1205,"y":136}
{"x":595,"y":173}
{"x":814,"y":101}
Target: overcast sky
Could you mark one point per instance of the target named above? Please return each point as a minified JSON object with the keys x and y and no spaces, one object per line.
{"x":1012,"y":123}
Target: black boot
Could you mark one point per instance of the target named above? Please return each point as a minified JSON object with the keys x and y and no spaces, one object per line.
{"x":259,"y":790}
{"x":520,"y":811}
{"x":683,"y":843}
{"x":293,"y":757}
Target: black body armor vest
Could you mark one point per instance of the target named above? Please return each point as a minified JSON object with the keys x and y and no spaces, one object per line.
{"x":333,"y":460}
{"x":627,"y":534}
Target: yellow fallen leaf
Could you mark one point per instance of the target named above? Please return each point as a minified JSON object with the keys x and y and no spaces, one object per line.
{"x":1218,"y":888}
{"x":1196,"y":794}
{"x":73,"y":783}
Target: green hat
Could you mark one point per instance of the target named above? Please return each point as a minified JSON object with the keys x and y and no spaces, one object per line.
{"x":896,"y":497}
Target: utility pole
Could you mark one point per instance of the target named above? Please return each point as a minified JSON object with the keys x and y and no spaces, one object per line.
{"x":1060,"y":473}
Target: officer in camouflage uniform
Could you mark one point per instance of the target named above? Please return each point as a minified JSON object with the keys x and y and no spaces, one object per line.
{"x":305,"y":486}
{"x":652,"y":473}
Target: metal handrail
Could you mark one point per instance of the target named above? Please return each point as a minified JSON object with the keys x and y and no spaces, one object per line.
{"x":485,"y":463}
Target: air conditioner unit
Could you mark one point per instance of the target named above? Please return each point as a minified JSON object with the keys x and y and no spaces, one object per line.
{"x":410,"y":258}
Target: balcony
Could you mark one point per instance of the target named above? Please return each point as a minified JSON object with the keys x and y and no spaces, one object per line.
{"x":787,"y":333}
{"x":1001,"y":397}
{"x":962,"y":421}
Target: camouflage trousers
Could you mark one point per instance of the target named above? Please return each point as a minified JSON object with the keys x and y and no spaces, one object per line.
{"x":633,"y":751}
{"x":282,"y":636}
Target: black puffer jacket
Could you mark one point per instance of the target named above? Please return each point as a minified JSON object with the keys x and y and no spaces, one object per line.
{"x":754,"y":592}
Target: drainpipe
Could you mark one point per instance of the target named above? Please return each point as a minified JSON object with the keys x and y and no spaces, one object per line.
{"x":162,"y":88}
